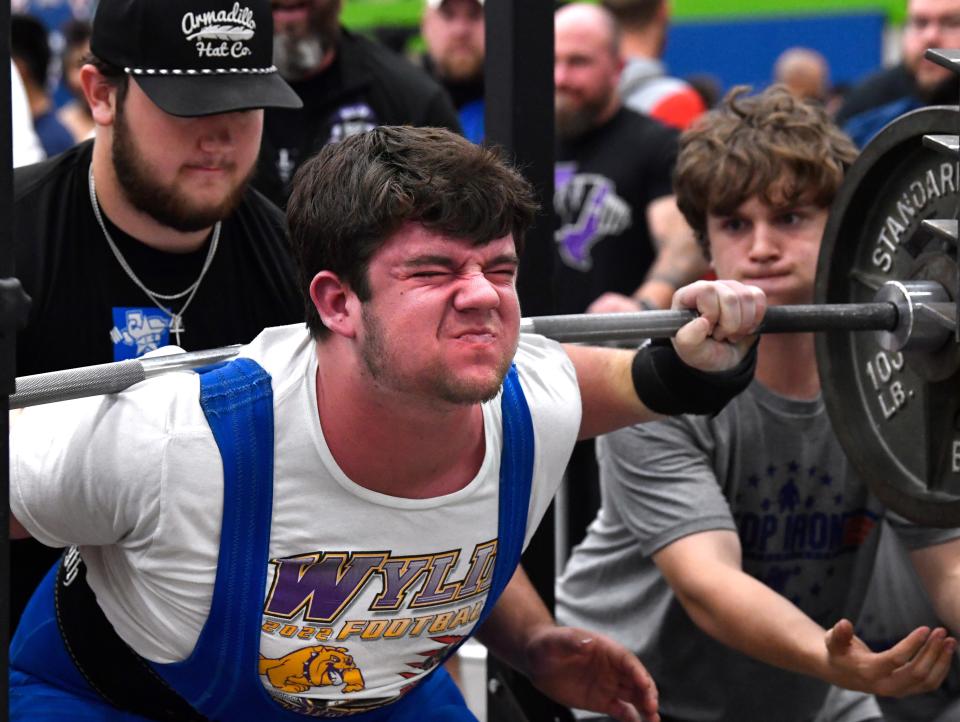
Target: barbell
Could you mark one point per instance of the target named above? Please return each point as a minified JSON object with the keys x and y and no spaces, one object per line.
{"x":886,"y":299}
{"x":916,"y":314}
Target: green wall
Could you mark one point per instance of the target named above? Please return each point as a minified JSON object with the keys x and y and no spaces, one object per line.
{"x":712,"y":9}
{"x":364,"y":13}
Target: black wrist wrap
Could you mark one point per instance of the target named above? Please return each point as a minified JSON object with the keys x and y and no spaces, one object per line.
{"x":666,"y":385}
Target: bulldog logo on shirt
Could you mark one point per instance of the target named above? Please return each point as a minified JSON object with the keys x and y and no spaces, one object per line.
{"x":318,"y":666}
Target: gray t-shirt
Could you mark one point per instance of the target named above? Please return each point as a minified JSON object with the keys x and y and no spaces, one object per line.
{"x":767,"y":467}
{"x":895,"y":605}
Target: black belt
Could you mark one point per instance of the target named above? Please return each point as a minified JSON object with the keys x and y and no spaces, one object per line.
{"x":117,"y":673}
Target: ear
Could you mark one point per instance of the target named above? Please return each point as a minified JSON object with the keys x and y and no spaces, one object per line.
{"x":337,"y":304}
{"x":101,"y":95}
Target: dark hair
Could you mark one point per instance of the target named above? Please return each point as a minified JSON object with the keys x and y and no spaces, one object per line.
{"x":75,"y":33}
{"x":633,"y":14}
{"x":353,"y":195}
{"x":113,"y":74}
{"x":29,"y":44}
{"x":770,"y":145}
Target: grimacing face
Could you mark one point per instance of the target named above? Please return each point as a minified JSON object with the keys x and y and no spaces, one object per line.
{"x":442,"y":322}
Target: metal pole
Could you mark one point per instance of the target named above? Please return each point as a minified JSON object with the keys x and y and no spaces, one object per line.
{"x":7,"y":346}
{"x":518,"y":75}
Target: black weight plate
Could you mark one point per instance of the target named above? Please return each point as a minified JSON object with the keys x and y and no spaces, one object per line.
{"x":898,"y":421}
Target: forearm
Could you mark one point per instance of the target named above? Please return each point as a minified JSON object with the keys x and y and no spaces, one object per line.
{"x":745,"y":614}
{"x":679,"y":259}
{"x":678,"y":263}
{"x":517,"y":616}
{"x":946,"y":602}
{"x":705,"y":571}
{"x":939,"y":568}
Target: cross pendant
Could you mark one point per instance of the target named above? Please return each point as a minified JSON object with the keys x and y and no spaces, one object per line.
{"x":176,"y":327}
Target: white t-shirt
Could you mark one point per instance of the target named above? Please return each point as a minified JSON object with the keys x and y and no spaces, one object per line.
{"x":363,"y":589}
{"x":26,"y":144}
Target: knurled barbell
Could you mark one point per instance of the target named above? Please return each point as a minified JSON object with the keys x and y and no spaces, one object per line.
{"x":912,"y":314}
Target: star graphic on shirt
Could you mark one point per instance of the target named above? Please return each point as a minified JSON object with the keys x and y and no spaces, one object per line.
{"x":826,"y":480}
{"x":776,"y":578}
{"x":765,"y":505}
{"x":829,"y":571}
{"x":812,"y":471}
{"x":838,"y":499}
{"x":771,"y":470}
{"x":810,"y":502}
{"x":789,"y":496}
{"x":815,"y":590}
{"x":793,"y":466}
{"x":754,"y":480}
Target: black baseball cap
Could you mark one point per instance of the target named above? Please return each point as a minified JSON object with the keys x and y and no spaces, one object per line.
{"x":194,"y":57}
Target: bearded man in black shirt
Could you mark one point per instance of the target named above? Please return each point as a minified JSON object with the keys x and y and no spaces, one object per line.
{"x":621,"y":240}
{"x":149,"y":235}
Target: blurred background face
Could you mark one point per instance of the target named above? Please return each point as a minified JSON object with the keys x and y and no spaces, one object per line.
{"x":454,"y":37}
{"x":930,"y":24}
{"x":72,"y":62}
{"x":586,"y":71}
{"x":303,"y":31}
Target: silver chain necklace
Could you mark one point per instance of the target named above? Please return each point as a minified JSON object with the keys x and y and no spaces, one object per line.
{"x":176,"y":319}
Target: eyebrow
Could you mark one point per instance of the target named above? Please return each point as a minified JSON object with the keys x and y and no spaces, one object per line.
{"x":447,"y":262}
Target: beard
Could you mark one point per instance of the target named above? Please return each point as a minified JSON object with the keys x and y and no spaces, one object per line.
{"x":462,"y":66}
{"x":381,"y":364}
{"x":572,"y":120}
{"x":297,"y":56}
{"x":166,"y":204}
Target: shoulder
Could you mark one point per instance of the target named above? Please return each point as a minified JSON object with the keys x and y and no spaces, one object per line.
{"x":679,"y":107}
{"x":537,"y":353}
{"x":260,"y":223}
{"x":645,"y":129}
{"x":388,"y":69}
{"x":151,"y":409}
{"x":878,"y":89}
{"x":45,"y":179}
{"x":283,"y":352}
{"x":687,"y":433}
{"x":676,"y":435}
{"x":547,"y":374}
{"x":256,"y":205}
